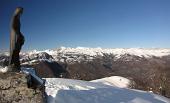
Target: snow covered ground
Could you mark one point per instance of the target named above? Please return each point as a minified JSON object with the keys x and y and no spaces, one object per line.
{"x":107,"y":90}
{"x":114,"y":81}
{"x":75,"y":91}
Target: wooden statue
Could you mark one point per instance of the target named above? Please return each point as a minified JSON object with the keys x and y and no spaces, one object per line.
{"x":16,"y":40}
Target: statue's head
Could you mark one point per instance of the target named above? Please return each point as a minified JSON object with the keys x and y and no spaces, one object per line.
{"x":18,"y":11}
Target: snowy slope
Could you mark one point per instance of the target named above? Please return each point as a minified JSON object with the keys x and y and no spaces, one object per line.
{"x":114,"y":81}
{"x":76,"y":91}
{"x":60,"y":90}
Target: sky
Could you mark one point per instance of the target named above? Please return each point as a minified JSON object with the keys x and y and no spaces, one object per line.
{"x":50,"y":24}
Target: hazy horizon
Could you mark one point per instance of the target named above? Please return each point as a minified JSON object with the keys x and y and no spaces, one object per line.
{"x":24,"y":50}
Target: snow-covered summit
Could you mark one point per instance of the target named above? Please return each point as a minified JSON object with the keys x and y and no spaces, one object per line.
{"x":72,"y":55}
{"x":84,"y":53}
{"x":141,"y":52}
{"x":76,"y":91}
{"x":117,"y":51}
{"x":114,"y":81}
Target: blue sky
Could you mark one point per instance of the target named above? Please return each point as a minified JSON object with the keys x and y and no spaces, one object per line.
{"x":89,"y":23}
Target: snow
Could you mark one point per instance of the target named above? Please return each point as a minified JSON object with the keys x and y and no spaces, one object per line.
{"x":87,"y":54}
{"x":76,"y":91}
{"x":4,"y":53}
{"x":106,"y":90}
{"x":4,"y":69}
{"x":79,"y":54}
{"x":114,"y":81}
{"x":71,"y":55}
{"x":117,"y":51}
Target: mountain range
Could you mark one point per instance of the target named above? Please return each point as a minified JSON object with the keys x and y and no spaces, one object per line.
{"x":149,"y":69}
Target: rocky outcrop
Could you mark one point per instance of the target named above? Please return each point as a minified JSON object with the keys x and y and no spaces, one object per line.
{"x":13,"y":89}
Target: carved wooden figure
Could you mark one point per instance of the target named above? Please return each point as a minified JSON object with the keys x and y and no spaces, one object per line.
{"x":16,"y":40}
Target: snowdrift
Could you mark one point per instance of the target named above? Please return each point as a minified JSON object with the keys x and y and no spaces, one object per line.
{"x":107,"y":90}
{"x":117,"y":81}
{"x":76,"y":91}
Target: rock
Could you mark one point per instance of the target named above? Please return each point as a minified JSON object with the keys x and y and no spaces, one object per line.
{"x":13,"y":89}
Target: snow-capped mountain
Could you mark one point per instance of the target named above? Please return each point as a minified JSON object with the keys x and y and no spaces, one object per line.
{"x":71,"y":55}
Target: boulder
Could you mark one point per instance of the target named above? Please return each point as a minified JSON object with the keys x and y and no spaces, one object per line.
{"x":14,"y":89}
